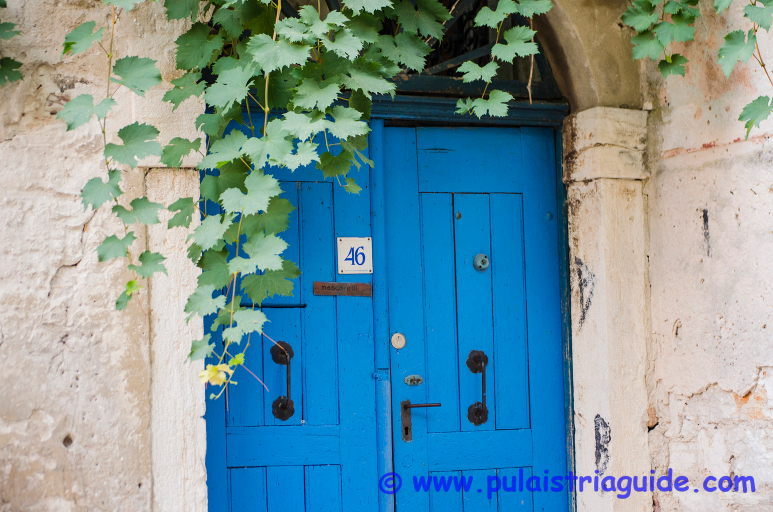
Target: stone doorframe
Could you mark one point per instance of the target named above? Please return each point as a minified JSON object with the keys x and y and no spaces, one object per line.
{"x":604,"y":173}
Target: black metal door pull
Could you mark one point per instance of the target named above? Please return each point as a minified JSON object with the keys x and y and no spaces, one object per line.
{"x":477,"y":413}
{"x":283,"y":407}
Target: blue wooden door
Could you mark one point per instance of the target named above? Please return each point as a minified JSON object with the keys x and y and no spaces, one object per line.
{"x":322,"y":458}
{"x":454,"y":194}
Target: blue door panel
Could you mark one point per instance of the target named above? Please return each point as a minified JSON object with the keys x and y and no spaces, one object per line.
{"x":500,"y":203}
{"x":446,"y":195}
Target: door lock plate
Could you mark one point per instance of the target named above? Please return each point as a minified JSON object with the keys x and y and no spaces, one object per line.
{"x":398,"y":340}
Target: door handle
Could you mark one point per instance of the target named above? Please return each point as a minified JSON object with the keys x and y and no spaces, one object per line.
{"x":283,"y":407}
{"x":405,"y":416}
{"x":477,"y":413}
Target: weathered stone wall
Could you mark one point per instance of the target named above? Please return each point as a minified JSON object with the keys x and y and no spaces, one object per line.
{"x":710,"y":374}
{"x":101,"y":413}
{"x":82,"y":399}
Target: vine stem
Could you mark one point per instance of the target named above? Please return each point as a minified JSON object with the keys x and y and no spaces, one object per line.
{"x":531,"y":66}
{"x":266,"y":107}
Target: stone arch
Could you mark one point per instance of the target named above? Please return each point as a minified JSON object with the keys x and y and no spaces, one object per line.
{"x":590,"y":53}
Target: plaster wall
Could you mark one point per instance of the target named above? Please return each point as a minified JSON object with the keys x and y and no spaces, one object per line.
{"x":86,"y":419}
{"x":710,"y":369}
{"x":100,"y":411}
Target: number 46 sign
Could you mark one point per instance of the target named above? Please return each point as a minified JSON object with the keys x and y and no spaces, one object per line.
{"x":355,"y":255}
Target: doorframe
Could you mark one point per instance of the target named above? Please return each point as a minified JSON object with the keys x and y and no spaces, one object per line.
{"x":605,"y":174}
{"x":441,"y":111}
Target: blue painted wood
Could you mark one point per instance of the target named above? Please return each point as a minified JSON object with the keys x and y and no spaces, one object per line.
{"x":504,"y":205}
{"x":331,"y":438}
{"x":424,"y":254}
{"x":508,"y":286}
{"x":443,"y":110}
{"x":380,"y":312}
{"x":286,"y":488}
{"x":323,"y":489}
{"x":440,"y":501}
{"x":513,"y":496}
{"x":472,"y":222}
{"x":248,"y":490}
{"x":437,"y":224}
{"x":476,"y":499}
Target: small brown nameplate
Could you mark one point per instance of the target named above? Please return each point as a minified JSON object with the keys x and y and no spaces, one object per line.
{"x":349,"y":289}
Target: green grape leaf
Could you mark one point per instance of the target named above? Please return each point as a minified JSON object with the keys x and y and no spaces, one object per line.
{"x":196,"y":48}
{"x":97,"y":192}
{"x":531,"y":8}
{"x":184,"y":207}
{"x":230,"y":175}
{"x":129,"y":289}
{"x":294,"y":30}
{"x":81,"y":38}
{"x":316,"y":26}
{"x":335,"y":165}
{"x":259,"y":287}
{"x":488,"y":18}
{"x":78,"y":111}
{"x":200,"y":349}
{"x":361,"y":102}
{"x":181,"y":9}
{"x":672,"y":65}
{"x":137,"y":73}
{"x":202,"y":303}
{"x":647,"y":46}
{"x":260,"y":189}
{"x":347,"y":123}
{"x":352,"y":187}
{"x":231,"y":87}
{"x":737,"y":48}
{"x":9,"y":70}
{"x":472,"y":72}
{"x":124,"y":4}
{"x":311,"y":94}
{"x":495,"y":105}
{"x":211,"y":230}
{"x":275,"y":219}
{"x":7,"y":30}
{"x":519,"y":44}
{"x":173,"y":153}
{"x":150,"y":263}
{"x":760,"y":13}
{"x":143,"y":211}
{"x":360,"y":78}
{"x":305,"y":153}
{"x":424,"y":17}
{"x":344,"y":43}
{"x":271,"y":55}
{"x":114,"y":247}
{"x":273,"y":147}
{"x":303,"y":126}
{"x":640,"y":15}
{"x":680,"y":30}
{"x":263,"y":254}
{"x":138,"y":142}
{"x":756,"y":112}
{"x":236,"y":360}
{"x":247,"y":321}
{"x":184,"y":87}
{"x":406,"y":49}
{"x":721,"y":5}
{"x":224,"y":150}
{"x":215,"y":269}
{"x":371,"y":6}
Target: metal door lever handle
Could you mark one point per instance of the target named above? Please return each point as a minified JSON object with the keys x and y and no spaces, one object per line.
{"x":405,"y":416}
{"x":477,"y":362}
{"x":283,"y":407}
